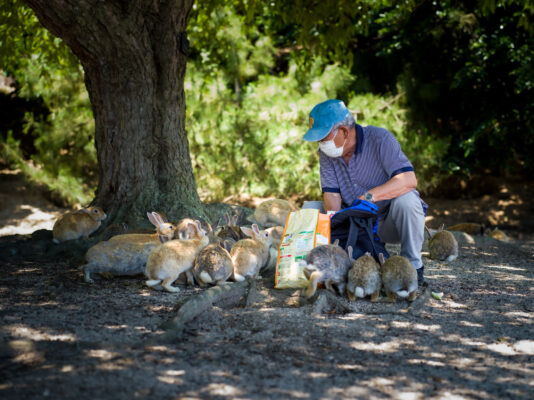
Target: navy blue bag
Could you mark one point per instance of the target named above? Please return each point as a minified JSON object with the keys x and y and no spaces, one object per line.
{"x":357,"y":226}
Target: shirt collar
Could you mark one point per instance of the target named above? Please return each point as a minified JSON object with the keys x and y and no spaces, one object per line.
{"x":359,"y":139}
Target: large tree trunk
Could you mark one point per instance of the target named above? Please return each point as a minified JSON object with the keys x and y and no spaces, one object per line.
{"x":134,"y":60}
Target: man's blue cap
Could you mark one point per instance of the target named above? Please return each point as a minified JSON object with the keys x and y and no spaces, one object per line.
{"x":323,"y":117}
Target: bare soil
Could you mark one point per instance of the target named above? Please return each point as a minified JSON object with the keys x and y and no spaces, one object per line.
{"x":61,"y":338}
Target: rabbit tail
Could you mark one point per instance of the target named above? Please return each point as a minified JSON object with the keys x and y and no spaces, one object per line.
{"x":451,"y":258}
{"x":402,"y":293}
{"x":153,"y":282}
{"x":205,"y":277}
{"x":359,"y":292}
{"x":238,"y":277}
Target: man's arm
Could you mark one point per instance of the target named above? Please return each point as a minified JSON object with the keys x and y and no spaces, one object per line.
{"x":397,"y":186}
{"x":332,"y":201}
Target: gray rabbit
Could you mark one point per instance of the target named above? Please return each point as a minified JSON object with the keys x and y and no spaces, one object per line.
{"x":442,"y":245}
{"x":328,"y":264}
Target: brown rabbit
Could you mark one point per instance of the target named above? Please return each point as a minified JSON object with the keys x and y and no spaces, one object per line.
{"x":273,"y":212}
{"x":74,"y":225}
{"x":185,"y":229}
{"x":364,"y":278}
{"x":471,"y":228}
{"x":276,"y":232}
{"x":330,"y":264}
{"x":499,"y":235}
{"x":126,"y":254}
{"x":230,"y":231}
{"x":213,"y":264}
{"x":250,"y":255}
{"x":442,"y":245}
{"x":167,"y":261}
{"x":399,"y":277}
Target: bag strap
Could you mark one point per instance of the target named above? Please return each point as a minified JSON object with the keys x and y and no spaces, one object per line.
{"x":366,"y":224}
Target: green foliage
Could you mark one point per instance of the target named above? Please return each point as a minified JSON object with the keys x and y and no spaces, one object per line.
{"x":257,"y":149}
{"x":466,"y":68}
{"x":452,"y":80}
{"x":44,"y":68}
{"x":66,"y":188}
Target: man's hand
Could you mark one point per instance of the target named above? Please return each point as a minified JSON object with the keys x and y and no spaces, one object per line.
{"x":332,"y":201}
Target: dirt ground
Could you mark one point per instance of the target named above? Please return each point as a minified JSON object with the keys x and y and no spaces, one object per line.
{"x":61,"y":338}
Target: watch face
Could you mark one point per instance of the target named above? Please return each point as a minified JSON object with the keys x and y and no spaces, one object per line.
{"x":368,"y":196}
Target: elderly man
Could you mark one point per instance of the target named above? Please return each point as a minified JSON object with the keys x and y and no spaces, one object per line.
{"x":367,"y":163}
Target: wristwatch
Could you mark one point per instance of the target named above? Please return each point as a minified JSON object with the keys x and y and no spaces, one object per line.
{"x":368,"y":197}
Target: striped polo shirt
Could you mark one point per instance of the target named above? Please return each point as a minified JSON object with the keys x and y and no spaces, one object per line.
{"x":376,"y":159}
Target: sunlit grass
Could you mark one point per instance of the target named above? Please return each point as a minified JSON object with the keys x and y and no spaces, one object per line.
{"x":68,"y":188}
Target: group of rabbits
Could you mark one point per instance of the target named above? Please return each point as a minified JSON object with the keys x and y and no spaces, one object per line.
{"x":216,"y":254}
{"x":206,"y":256}
{"x":339,"y":272}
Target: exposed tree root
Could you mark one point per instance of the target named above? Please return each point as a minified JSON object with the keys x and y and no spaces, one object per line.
{"x":227,"y":293}
{"x":328,"y":303}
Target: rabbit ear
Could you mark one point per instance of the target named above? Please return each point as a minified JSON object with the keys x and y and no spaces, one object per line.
{"x":349,"y":251}
{"x":198,"y":226}
{"x":234,"y":220}
{"x":247,"y":231}
{"x":381,"y":258}
{"x":367,"y":254}
{"x":256,"y":229}
{"x":441,"y":228}
{"x":154,"y":218}
{"x":210,"y":229}
{"x":215,"y":226}
{"x":227,"y":218}
{"x":336,"y":243}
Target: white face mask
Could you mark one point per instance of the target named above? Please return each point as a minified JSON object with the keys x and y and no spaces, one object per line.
{"x":329,"y":148}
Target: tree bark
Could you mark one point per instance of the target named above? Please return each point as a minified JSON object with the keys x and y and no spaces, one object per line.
{"x":134,"y":57}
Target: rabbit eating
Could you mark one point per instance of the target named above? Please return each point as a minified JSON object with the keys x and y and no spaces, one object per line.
{"x":328,"y":264}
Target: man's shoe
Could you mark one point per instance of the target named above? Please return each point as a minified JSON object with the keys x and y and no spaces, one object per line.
{"x":420,"y":277}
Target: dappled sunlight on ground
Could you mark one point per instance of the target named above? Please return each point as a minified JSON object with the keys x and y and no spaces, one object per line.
{"x":63,"y":338}
{"x":23,"y":208}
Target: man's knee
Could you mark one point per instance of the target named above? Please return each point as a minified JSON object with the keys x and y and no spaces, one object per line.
{"x":408,"y":202}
